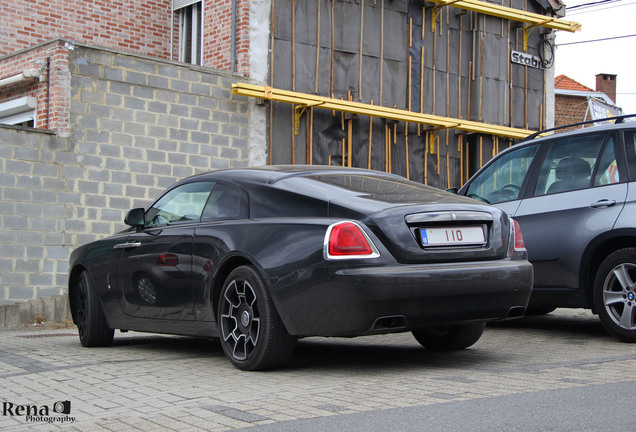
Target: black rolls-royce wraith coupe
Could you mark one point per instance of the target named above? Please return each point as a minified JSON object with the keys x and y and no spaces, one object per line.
{"x":259,"y":257}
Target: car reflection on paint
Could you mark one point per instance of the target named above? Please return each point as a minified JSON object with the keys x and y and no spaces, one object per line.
{"x":260,"y":257}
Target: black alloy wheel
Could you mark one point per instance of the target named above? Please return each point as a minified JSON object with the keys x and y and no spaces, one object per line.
{"x":253,"y":336}
{"x":449,"y":338}
{"x":615,"y":294}
{"x":91,"y":323}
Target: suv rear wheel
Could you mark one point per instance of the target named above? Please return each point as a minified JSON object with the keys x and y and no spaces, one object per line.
{"x":615,"y":294}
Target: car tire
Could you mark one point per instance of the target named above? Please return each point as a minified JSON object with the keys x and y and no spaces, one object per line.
{"x":252,"y":334}
{"x":448,"y":338}
{"x":89,"y":316}
{"x":615,"y":294}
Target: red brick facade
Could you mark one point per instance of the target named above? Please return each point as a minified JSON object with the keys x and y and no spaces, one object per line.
{"x":568,"y":110}
{"x":141,"y":27}
{"x":52,"y":91}
{"x":217,"y":37}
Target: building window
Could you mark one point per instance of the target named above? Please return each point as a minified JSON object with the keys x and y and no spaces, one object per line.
{"x":19,"y":112}
{"x":190,"y":15}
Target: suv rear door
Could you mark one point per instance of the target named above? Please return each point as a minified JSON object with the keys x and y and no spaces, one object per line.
{"x":626,"y":218}
{"x":575,"y":194}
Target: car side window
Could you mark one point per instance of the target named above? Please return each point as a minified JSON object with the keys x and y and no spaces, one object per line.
{"x":630,"y":147}
{"x":569,"y":163}
{"x":607,"y":170}
{"x":183,"y":203}
{"x":226,"y":202}
{"x":502,"y":180}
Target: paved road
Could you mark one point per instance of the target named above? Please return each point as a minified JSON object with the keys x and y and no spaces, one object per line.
{"x":555,"y":373}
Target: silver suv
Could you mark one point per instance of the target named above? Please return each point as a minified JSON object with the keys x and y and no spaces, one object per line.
{"x":574,"y":195}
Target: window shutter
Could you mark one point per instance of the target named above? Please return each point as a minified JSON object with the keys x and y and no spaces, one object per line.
{"x":180,"y":4}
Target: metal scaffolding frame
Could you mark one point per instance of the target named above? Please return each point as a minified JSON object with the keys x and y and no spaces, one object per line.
{"x":532,"y":20}
{"x":302,"y":101}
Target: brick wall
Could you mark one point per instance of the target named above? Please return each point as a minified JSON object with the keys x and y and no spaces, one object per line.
{"x":217,"y":40}
{"x":569,"y":109}
{"x":52,"y":91}
{"x":606,"y":83}
{"x":142,"y":27}
{"x":139,"y":124}
{"x":138,"y":26}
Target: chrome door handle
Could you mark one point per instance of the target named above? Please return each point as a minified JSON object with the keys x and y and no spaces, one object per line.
{"x":127,"y":245}
{"x":603,"y":203}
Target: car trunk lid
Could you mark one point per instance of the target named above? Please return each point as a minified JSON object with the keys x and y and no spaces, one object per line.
{"x":430,"y":233}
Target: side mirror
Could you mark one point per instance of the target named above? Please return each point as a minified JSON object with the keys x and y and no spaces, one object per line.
{"x":136,"y":218}
{"x":453,"y":190}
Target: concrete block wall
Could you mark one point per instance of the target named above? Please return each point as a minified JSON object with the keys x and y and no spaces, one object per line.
{"x":138,"y":125}
{"x":34,"y":245}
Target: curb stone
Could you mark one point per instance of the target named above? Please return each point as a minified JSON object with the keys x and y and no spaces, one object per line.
{"x":53,"y":309}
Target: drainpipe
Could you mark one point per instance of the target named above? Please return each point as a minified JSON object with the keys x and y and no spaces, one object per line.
{"x":233,"y":54}
{"x":48,"y":91}
{"x":26,"y":74}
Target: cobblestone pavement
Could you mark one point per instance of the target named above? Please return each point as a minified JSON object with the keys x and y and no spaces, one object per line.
{"x":151,"y":382}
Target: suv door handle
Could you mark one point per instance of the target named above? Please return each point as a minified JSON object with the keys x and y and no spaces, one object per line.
{"x":603,"y":203}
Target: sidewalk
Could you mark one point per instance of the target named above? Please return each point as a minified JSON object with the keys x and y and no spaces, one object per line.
{"x":151,"y":382}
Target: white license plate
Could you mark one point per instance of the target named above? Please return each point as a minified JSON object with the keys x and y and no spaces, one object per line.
{"x":448,"y":236}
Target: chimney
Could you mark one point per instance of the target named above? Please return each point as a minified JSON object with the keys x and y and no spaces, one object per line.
{"x":606,"y":83}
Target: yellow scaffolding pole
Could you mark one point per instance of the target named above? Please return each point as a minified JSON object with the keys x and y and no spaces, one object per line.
{"x":532,"y":19}
{"x":303,"y":100}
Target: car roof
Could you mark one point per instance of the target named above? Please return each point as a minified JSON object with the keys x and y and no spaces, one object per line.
{"x":576,"y":132}
{"x":613,"y":123}
{"x":273,"y":173}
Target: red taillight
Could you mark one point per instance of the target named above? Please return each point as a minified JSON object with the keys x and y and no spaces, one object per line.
{"x":347,"y":240}
{"x":519,"y":244}
{"x":168,"y":260}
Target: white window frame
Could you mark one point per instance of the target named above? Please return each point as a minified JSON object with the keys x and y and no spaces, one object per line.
{"x":194,"y":34}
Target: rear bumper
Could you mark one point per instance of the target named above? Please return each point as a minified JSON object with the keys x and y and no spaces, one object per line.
{"x":382,"y":299}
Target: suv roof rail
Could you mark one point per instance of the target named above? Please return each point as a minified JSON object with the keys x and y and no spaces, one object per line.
{"x":617,"y":119}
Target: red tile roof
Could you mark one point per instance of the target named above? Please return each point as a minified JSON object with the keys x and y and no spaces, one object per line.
{"x":563,"y":82}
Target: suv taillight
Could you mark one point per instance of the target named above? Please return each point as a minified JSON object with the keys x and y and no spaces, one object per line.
{"x":347,"y":240}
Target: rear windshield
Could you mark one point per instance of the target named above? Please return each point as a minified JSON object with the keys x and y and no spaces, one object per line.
{"x":387,"y":189}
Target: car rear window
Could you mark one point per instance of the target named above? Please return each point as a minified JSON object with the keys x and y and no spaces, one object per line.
{"x":386,"y":189}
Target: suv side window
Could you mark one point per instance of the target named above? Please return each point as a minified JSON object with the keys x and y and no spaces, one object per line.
{"x":570,"y":163}
{"x":607,"y":169}
{"x":502,"y":180}
{"x":630,"y":146}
